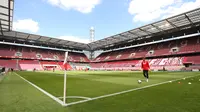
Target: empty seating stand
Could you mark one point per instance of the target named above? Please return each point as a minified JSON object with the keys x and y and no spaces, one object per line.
{"x":42,"y":56}
{"x":175,"y":63}
{"x":8,"y":63}
{"x":192,"y":59}
{"x":30,"y":65}
{"x":183,"y":46}
{"x":8,"y":51}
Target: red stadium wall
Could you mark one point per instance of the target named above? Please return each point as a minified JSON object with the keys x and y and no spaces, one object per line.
{"x":33,"y":64}
{"x":50,"y":65}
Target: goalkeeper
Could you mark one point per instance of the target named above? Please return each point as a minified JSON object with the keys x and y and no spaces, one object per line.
{"x":145,"y":67}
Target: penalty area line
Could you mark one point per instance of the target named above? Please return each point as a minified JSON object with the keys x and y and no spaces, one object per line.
{"x":43,"y":91}
{"x":126,"y":91}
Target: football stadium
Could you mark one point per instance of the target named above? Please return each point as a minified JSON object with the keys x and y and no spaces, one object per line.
{"x":45,"y":74}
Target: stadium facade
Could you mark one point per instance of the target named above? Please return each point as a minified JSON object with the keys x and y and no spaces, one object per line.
{"x":172,"y":44}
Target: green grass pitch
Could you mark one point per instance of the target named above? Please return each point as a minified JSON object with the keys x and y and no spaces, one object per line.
{"x":16,"y":95}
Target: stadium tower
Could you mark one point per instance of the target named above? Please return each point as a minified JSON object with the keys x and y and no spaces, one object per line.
{"x":92,"y":35}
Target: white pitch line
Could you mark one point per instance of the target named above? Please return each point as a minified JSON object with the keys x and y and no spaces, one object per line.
{"x":81,"y":97}
{"x":43,"y":91}
{"x":122,"y":92}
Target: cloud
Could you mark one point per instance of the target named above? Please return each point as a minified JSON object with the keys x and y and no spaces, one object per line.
{"x":75,"y":39}
{"x":26,"y":25}
{"x":183,"y":8}
{"x":149,"y":10}
{"x":83,"y":6}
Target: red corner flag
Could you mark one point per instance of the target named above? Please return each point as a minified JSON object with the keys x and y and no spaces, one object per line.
{"x":65,"y":61}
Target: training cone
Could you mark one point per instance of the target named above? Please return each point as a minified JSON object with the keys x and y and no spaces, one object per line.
{"x":179,"y":82}
{"x":189,"y":83}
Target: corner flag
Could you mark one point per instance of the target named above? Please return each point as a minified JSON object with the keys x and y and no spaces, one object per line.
{"x":65,"y":78}
{"x":65,"y":60}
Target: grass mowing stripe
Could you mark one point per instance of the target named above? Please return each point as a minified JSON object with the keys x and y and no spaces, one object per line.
{"x":122,"y":92}
{"x":43,"y":91}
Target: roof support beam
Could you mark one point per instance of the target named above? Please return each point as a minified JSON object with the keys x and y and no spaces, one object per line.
{"x":67,"y":42}
{"x":157,"y":27}
{"x":58,"y":41}
{"x":126,"y":37}
{"x":89,"y":47}
{"x":3,"y":6}
{"x":1,"y":28}
{"x":148,"y":32}
{"x":39,"y":38}
{"x":4,"y":24}
{"x":9,"y":8}
{"x":28,"y":36}
{"x":122,"y":36}
{"x":189,"y":19}
{"x":74,"y":44}
{"x":4,"y":14}
{"x":133,"y":33}
{"x":13,"y":5}
{"x":48,"y":40}
{"x":117,"y":39}
{"x":4,"y":20}
{"x":113,"y":39}
{"x":102,"y":42}
{"x":4,"y":29}
{"x":171,"y":24}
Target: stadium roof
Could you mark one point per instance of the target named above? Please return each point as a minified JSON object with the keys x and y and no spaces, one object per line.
{"x":45,"y":40}
{"x":6,"y":15}
{"x":182,"y":21}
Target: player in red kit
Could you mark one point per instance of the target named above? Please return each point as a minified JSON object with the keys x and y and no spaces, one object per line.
{"x":145,"y":67}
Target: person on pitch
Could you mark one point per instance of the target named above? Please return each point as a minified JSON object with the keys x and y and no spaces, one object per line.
{"x":145,"y":67}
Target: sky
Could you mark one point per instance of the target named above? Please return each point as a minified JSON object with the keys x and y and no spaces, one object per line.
{"x":72,"y":19}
